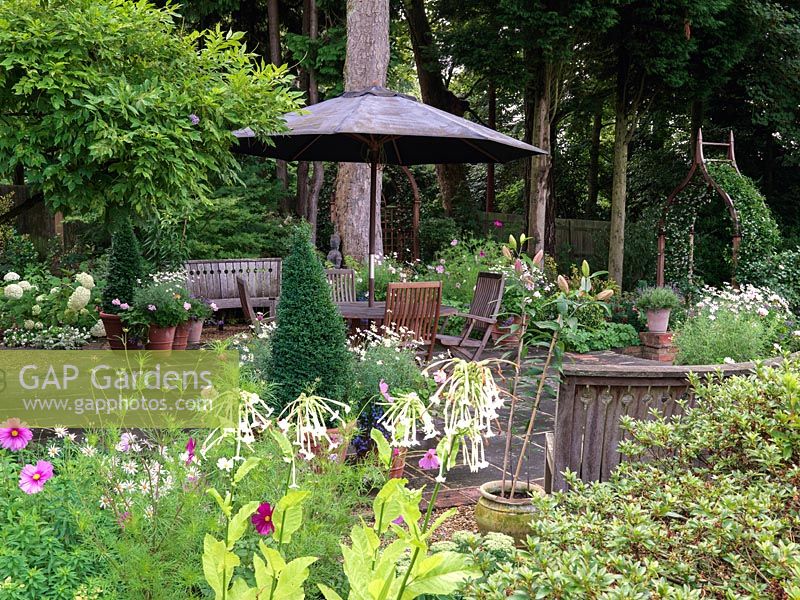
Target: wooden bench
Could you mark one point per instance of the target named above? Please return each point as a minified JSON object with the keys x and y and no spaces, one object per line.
{"x":591,"y":400}
{"x":215,"y":280}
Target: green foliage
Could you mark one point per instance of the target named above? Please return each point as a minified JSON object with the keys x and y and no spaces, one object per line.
{"x":779,"y":272}
{"x":658,"y":298}
{"x":309,"y":347}
{"x":18,"y":254}
{"x":160,"y":304}
{"x":111,"y":104}
{"x":605,"y":337}
{"x":712,"y":338}
{"x":125,"y":269}
{"x":435,"y":234}
{"x":711,"y":514}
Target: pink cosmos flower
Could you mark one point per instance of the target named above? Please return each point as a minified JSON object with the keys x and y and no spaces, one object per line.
{"x":384,"y":389}
{"x":151,"y":307}
{"x":32,"y":478}
{"x":124,"y":306}
{"x":498,"y":223}
{"x":190,"y":446}
{"x":14,"y":435}
{"x":439,"y":269}
{"x":429,"y":461}
{"x":454,"y":243}
{"x":481,"y":253}
{"x":187,"y":306}
{"x":115,"y":302}
{"x":262,"y":519}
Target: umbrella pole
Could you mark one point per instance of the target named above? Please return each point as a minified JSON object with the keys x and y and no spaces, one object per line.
{"x":373,"y":192}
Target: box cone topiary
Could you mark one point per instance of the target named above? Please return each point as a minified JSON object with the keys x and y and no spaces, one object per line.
{"x":309,"y":347}
{"x":125,"y":267}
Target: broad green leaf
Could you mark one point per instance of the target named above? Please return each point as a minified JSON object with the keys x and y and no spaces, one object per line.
{"x":284,"y":444}
{"x":223,"y":504}
{"x":328,"y":593}
{"x":292,"y":579}
{"x":247,"y":466}
{"x":288,"y":515}
{"x":238,"y":524}
{"x":264,"y":576}
{"x":241,"y":591}
{"x":218,"y":564}
{"x":439,"y":574}
{"x":387,"y":504}
{"x":384,"y":449}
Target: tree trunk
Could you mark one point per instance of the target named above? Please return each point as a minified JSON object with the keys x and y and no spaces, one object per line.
{"x":594,"y":161}
{"x":619,"y":185}
{"x":452,"y":178}
{"x":274,"y":32}
{"x":366,"y":63}
{"x":541,"y":165}
{"x":490,"y":191}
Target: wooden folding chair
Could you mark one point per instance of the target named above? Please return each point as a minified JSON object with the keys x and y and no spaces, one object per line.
{"x":343,"y":285}
{"x":247,"y":305}
{"x":480,"y":319}
{"x":414,"y":308}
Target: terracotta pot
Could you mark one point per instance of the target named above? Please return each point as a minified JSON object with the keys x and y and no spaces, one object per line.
{"x":159,"y":338}
{"x":658,"y":320}
{"x":339,"y":452}
{"x":181,"y":336}
{"x":398,"y":464}
{"x":117,"y":338}
{"x":512,"y":339}
{"x":506,"y":515}
{"x":195,"y":331}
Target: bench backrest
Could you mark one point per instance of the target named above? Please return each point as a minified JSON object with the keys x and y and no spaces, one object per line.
{"x":215,"y":280}
{"x":591,"y":401}
{"x":343,"y":284}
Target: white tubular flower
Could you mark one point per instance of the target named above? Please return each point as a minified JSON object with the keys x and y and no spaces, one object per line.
{"x":85,"y":280}
{"x":308,"y":418}
{"x":401,"y":417}
{"x":13,"y":291}
{"x":11,"y":276}
{"x":79,"y":299}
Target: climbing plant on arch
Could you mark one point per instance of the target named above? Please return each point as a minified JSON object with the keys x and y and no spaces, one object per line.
{"x":697,"y":237}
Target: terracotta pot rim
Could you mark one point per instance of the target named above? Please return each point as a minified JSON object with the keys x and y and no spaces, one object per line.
{"x":489,"y":491}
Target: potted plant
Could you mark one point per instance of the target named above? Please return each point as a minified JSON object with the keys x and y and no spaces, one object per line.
{"x":183,"y":328}
{"x":159,"y":309}
{"x":125,"y":272}
{"x":198,"y":313}
{"x":658,"y":303}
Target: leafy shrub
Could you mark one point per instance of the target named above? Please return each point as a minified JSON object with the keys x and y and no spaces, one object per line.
{"x":605,"y":337}
{"x":779,"y":272}
{"x":18,"y":254}
{"x":658,"y":298}
{"x":309,"y":346}
{"x":713,"y":513}
{"x":435,"y":234}
{"x":162,"y":304}
{"x":125,"y":269}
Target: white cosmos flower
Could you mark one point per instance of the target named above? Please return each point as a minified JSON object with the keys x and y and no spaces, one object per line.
{"x":225,"y":464}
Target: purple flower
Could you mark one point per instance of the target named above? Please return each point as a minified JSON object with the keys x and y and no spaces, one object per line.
{"x":498,"y":223}
{"x":384,"y":389}
{"x":194,"y":119}
{"x":151,"y":307}
{"x":481,"y":253}
{"x":124,"y":306}
{"x":115,"y":302}
{"x":429,"y":461}
{"x":187,"y":306}
{"x":190,"y":446}
{"x":262,"y":519}
{"x":454,"y":243}
{"x":14,"y":435}
{"x":439,"y":269}
{"x":33,"y":477}
{"x":399,"y":520}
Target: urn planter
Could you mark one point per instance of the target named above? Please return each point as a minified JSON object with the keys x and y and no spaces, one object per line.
{"x":512,"y":516}
{"x":160,"y":338}
{"x":658,"y":320}
{"x":115,"y":334}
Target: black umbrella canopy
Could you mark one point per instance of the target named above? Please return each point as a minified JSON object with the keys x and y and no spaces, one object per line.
{"x":363,"y":125}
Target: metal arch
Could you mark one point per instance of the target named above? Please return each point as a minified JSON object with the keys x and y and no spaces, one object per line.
{"x":699,"y":162}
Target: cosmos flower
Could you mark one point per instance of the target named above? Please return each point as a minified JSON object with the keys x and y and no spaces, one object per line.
{"x":33,"y":477}
{"x":14,"y":435}
{"x":429,"y":461}
{"x":190,"y":446}
{"x":384,"y":389}
{"x":262,"y":519}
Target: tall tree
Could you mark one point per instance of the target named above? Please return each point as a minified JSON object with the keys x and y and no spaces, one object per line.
{"x":366,"y":64}
{"x":274,"y":31}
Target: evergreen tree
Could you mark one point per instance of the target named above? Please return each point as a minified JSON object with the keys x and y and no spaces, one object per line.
{"x":125,"y":267}
{"x":309,"y":348}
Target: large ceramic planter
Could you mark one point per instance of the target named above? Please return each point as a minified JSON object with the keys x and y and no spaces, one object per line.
{"x":195,"y":331}
{"x":511,"y":340}
{"x":510,"y":516}
{"x":658,"y":320}
{"x":181,"y":336}
{"x":116,"y":336}
{"x":160,"y":338}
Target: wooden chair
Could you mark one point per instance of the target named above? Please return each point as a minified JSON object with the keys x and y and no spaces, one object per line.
{"x":415,"y":307}
{"x":481,"y":317}
{"x":247,"y":305}
{"x":343,"y":285}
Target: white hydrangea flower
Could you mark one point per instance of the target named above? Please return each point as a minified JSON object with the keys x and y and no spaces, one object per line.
{"x":28,"y":324}
{"x":36,"y":310}
{"x":79,"y":299}
{"x":54,"y":290}
{"x":98,"y":330}
{"x":25,"y":285}
{"x":13,"y":291}
{"x":85,"y":280}
{"x":11,"y":276}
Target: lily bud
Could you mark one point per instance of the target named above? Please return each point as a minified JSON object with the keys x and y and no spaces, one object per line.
{"x":537,"y":259}
{"x":518,"y":266}
{"x":507,"y":253}
{"x":562,"y":284}
{"x":605,"y":295}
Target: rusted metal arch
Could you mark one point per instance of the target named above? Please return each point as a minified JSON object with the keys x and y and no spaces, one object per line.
{"x":699,"y":162}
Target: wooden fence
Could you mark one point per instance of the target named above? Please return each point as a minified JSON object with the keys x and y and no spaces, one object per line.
{"x":576,"y":239}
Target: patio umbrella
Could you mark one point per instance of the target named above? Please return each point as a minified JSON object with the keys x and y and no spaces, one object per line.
{"x":379,"y":126}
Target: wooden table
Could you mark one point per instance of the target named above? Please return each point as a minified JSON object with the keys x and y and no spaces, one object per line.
{"x":362,"y":310}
